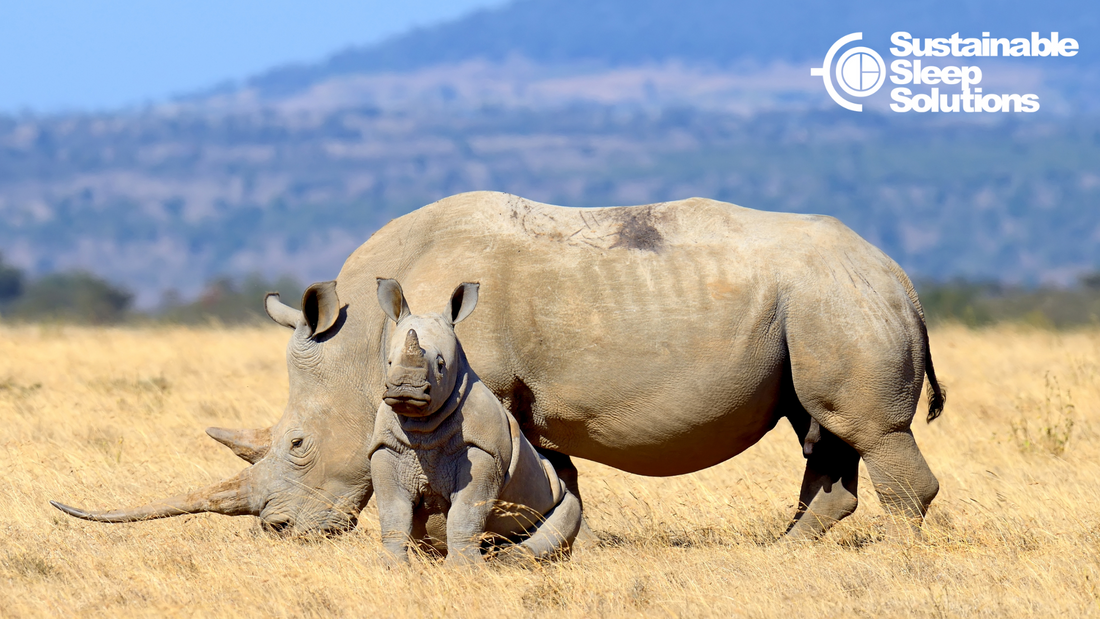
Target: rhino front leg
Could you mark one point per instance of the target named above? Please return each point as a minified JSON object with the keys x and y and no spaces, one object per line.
{"x":479,"y":482}
{"x":395,"y":508}
{"x":829,"y":484}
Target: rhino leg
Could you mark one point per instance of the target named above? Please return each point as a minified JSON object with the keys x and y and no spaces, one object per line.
{"x":395,"y":508}
{"x":471,"y":505}
{"x":553,"y":536}
{"x":903,"y":481}
{"x":829,"y":484}
{"x":567,"y":473}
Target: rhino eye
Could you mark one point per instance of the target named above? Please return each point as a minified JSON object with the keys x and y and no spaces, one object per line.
{"x":296,"y":443}
{"x":440,"y":362}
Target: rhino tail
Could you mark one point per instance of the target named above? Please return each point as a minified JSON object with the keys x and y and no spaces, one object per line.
{"x":938,"y":397}
{"x":555,"y":534}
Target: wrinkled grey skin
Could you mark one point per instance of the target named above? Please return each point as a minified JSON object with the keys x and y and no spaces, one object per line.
{"x":443,"y":443}
{"x":658,"y":339}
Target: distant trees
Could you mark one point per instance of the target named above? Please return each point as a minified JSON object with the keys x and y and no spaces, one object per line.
{"x":958,"y":301}
{"x":80,"y":297}
{"x":977,"y":304}
{"x":11,"y":283}
{"x":229,"y":301}
{"x":73,"y":296}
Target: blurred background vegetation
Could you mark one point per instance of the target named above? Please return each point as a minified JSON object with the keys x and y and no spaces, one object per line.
{"x":977,"y":304}
{"x":80,"y":297}
{"x":229,"y":301}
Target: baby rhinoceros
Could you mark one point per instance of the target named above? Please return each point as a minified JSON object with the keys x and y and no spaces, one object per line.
{"x":443,"y":443}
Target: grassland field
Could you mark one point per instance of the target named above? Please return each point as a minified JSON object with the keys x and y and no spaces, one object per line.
{"x":113,"y":417}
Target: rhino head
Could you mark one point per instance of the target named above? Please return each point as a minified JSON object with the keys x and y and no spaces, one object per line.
{"x":309,"y":473}
{"x":420,"y":377}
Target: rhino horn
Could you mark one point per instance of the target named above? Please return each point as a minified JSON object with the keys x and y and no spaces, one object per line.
{"x":231,"y":497}
{"x":249,"y":445}
{"x":281,"y":312}
{"x":412,"y":345}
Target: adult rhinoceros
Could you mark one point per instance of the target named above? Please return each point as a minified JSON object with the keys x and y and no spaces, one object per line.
{"x":658,"y":339}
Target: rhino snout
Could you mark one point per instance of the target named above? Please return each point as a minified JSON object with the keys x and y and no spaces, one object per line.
{"x":408,"y":399}
{"x":278,"y":526}
{"x":328,"y":525}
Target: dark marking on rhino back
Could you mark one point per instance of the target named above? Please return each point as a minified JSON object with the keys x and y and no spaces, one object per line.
{"x":638,"y":230}
{"x":628,"y":227}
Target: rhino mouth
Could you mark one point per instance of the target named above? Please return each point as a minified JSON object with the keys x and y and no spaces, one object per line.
{"x":409,"y":400}
{"x":327,"y":527}
{"x":280,"y":527}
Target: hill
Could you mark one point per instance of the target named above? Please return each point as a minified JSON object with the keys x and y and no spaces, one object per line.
{"x":708,"y":32}
{"x":160,"y":203}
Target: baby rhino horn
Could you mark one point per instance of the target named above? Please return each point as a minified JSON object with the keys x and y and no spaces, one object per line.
{"x":412,"y":345}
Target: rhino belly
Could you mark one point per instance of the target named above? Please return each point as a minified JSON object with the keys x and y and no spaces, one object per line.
{"x":675,"y":428}
{"x":685,"y":448}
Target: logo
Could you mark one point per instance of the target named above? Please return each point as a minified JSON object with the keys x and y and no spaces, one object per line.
{"x":860,"y":72}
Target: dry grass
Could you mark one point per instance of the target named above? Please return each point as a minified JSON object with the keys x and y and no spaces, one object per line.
{"x":111,"y":417}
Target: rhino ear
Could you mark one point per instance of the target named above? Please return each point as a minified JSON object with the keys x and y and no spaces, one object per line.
{"x":280,"y":312}
{"x":463,"y":301}
{"x":392,"y":299}
{"x":320,"y":307}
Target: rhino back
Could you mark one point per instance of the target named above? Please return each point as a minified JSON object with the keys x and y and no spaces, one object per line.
{"x":649,"y":338}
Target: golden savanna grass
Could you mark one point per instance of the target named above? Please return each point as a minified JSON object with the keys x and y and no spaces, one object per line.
{"x":115,"y":417}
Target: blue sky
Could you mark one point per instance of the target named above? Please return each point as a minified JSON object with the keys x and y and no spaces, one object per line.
{"x":58,"y":55}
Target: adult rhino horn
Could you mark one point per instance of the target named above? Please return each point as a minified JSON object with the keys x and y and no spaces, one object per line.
{"x":248,"y":445}
{"x":231,"y":497}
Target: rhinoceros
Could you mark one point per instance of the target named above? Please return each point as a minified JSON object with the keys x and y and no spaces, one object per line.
{"x":658,"y":339}
{"x":444,"y":444}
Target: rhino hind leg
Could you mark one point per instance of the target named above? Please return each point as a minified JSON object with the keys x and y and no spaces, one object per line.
{"x":903,"y":481}
{"x":553,"y":537}
{"x":567,"y":473}
{"x":829,"y":484}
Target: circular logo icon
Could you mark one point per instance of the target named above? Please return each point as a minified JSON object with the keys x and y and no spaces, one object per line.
{"x":860,"y":71}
